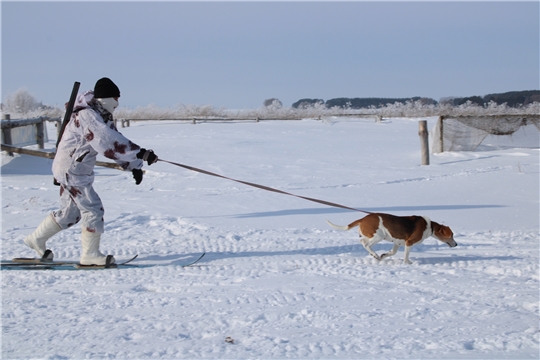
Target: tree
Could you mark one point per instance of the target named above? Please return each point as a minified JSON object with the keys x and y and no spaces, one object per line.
{"x":307,"y":103}
{"x":21,"y":101}
{"x":273,"y":104}
{"x":472,"y":99}
{"x":366,"y":103}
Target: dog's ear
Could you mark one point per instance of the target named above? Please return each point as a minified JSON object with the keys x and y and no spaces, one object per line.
{"x":446,"y":232}
{"x":442,"y":231}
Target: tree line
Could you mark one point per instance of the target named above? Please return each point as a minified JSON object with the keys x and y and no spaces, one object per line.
{"x":511,"y":99}
{"x":22,"y":104}
{"x":359,"y":103}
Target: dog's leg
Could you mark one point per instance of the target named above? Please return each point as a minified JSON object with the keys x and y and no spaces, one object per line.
{"x":373,"y":253}
{"x":367,"y":243}
{"x":407,"y":251}
{"x":391,"y":253}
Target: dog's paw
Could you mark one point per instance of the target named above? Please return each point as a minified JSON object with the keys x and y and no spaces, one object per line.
{"x":379,"y":258}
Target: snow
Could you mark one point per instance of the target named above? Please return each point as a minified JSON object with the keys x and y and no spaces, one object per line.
{"x":276,"y":278}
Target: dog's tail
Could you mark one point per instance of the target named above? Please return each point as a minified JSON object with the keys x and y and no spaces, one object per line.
{"x":343,"y":227}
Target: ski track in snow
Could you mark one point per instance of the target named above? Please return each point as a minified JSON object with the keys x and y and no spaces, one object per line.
{"x":437,"y":306}
{"x":279,"y":291}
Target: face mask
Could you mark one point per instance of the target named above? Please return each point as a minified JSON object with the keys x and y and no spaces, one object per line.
{"x":109,"y":104}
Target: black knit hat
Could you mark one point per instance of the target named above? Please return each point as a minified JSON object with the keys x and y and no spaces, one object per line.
{"x":105,"y":88}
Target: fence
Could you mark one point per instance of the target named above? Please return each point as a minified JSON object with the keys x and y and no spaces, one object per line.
{"x":202,"y":119}
{"x":466,"y":133}
{"x":26,"y":131}
{"x":34,"y":132}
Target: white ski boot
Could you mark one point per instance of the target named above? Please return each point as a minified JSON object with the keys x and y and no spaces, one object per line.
{"x":90,"y":250}
{"x":37,"y":240}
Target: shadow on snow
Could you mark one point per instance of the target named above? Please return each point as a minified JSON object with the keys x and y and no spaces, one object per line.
{"x":357,"y":251}
{"x":387,"y":209}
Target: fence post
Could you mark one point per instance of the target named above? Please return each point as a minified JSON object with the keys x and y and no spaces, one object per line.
{"x":424,"y":141}
{"x":124,"y":122}
{"x":40,"y":134}
{"x":440,"y":124}
{"x":7,"y":133}
{"x":58,"y":127}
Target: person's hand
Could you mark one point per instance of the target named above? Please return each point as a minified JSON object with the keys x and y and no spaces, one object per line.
{"x":147,"y":155}
{"x":137,"y":175}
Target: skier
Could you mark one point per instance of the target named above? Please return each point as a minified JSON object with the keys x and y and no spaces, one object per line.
{"x":90,"y":131}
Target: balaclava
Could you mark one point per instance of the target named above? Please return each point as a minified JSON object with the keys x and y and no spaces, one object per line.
{"x":105,"y":91}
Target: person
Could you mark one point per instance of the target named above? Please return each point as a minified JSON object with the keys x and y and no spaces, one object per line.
{"x":90,"y":131}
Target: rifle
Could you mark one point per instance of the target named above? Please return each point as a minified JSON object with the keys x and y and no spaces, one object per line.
{"x":67,"y":116}
{"x":69,"y":110}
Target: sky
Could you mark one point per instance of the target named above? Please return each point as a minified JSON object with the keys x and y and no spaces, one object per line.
{"x":235,"y":55}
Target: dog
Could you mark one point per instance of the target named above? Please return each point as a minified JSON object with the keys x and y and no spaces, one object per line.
{"x":401,"y":230}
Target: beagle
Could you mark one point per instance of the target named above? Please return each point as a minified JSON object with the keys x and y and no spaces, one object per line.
{"x":401,"y":230}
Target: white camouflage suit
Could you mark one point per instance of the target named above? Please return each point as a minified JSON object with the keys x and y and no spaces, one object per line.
{"x":91,"y":131}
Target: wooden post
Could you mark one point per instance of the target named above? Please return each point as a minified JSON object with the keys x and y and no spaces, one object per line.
{"x":58,"y":128}
{"x":7,"y":133}
{"x":441,"y":133}
{"x":125,"y":122}
{"x":40,"y":134}
{"x":424,"y":141}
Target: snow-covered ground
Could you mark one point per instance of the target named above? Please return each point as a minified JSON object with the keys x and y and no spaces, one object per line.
{"x":276,"y":278}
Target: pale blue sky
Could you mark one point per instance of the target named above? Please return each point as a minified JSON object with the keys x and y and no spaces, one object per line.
{"x":237,"y":54}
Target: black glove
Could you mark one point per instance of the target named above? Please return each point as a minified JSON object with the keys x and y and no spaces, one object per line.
{"x":148,"y":156}
{"x":137,"y":175}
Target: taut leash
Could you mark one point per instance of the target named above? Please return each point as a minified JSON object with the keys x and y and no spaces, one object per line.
{"x":264,"y":187}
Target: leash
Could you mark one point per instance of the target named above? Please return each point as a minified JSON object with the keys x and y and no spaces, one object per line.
{"x":263,"y":187}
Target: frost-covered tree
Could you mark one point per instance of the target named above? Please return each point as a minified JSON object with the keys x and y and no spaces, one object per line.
{"x":307,"y":103}
{"x":273,"y":104}
{"x":21,"y":101}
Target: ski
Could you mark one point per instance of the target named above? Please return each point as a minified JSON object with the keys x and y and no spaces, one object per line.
{"x":47,"y":257}
{"x":44,"y":264}
{"x":187,"y":264}
{"x":195,"y":261}
{"x":36,"y":263}
{"x":108,"y":266}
